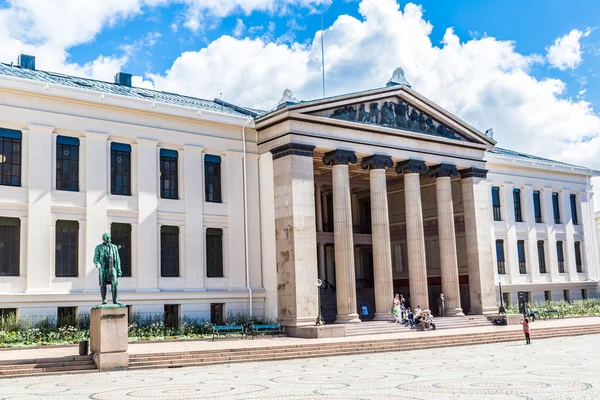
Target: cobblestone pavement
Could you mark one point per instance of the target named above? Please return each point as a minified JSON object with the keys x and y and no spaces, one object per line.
{"x":560,"y":368}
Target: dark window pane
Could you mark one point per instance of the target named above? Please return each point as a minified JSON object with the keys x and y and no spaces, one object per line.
{"x":574,"y":209}
{"x":521,"y":253}
{"x":541,"y":256}
{"x":214,"y":253}
{"x":120,"y":172}
{"x":168,"y":177}
{"x":517,"y":204}
{"x":537,"y":207}
{"x":500,"y":257}
{"x":10,"y":161}
{"x":121,"y":237}
{"x":171,"y":315}
{"x":67,"y":166}
{"x":169,"y":251}
{"x":578,"y":262}
{"x":212,"y":181}
{"x":217,"y":313}
{"x":10,"y":237}
{"x":496,"y":203}
{"x":555,"y":208}
{"x":66,"y":256}
{"x":67,"y":316}
{"x":561,"y":257}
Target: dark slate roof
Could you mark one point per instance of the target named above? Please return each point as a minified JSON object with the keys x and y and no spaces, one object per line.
{"x":113,"y":88}
{"x":500,"y":152}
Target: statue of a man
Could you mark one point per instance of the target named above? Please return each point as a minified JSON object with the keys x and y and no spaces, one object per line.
{"x":106,"y":259}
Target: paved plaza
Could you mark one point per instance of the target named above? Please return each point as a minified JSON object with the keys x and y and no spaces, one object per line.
{"x":559,"y":368}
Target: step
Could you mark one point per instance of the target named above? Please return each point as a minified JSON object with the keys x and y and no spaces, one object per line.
{"x":45,"y":365}
{"x":63,"y":369}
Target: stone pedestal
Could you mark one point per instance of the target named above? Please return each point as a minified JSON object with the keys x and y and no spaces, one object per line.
{"x":108,"y":337}
{"x":316,"y":332}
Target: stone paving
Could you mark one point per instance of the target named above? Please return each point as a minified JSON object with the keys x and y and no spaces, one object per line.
{"x":559,"y":368}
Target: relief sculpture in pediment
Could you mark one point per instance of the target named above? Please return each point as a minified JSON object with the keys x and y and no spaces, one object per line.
{"x":400,"y":115}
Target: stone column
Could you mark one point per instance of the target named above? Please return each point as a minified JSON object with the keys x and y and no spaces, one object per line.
{"x":475,"y":192}
{"x":295,"y":234}
{"x":345,"y":279}
{"x":380,"y":223}
{"x":447,"y":237}
{"x":320,"y":246}
{"x":417,"y":265}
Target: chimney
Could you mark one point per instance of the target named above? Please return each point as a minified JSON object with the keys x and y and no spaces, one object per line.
{"x":26,"y":62}
{"x":123,"y":79}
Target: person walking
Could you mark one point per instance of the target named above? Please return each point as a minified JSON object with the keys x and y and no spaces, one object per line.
{"x":526,"y":330}
{"x":396,"y":309}
{"x":441,"y":305}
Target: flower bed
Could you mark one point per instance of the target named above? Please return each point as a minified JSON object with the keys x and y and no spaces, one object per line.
{"x":577,"y":308}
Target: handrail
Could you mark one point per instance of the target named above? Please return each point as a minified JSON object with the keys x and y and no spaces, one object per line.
{"x":328,"y":285}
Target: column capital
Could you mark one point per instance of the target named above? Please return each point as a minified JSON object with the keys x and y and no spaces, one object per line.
{"x":339,"y":157}
{"x":442,"y":170}
{"x":377,"y":161}
{"x":293,"y":149}
{"x":411,"y":167}
{"x":473,"y":173}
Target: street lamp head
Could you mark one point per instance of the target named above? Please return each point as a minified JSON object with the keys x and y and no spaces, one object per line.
{"x":319,"y":282}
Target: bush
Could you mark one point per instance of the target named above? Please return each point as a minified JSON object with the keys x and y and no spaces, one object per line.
{"x":589,"y":307}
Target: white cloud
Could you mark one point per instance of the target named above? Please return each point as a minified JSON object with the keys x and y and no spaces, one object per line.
{"x":239,"y":29}
{"x":565,"y":53}
{"x":484,"y":81}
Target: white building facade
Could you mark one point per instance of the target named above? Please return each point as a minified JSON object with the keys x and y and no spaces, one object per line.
{"x":218,"y":208}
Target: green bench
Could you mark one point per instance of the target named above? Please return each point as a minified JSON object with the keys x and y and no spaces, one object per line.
{"x":552,"y":313}
{"x":266,"y":329}
{"x":222,"y":329}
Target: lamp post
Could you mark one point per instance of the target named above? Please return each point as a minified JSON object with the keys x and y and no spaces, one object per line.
{"x":319,"y":321}
{"x":501,"y":310}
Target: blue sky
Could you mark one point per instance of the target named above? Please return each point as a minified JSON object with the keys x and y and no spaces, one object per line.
{"x":527,"y":69}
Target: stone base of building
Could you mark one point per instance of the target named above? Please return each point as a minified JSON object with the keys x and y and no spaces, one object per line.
{"x":483,"y":311}
{"x":384,"y":317}
{"x":296,"y":322}
{"x":347,"y":319}
{"x":316,"y":332}
{"x":511,"y":319}
{"x":108,"y":337}
{"x":454,"y":312}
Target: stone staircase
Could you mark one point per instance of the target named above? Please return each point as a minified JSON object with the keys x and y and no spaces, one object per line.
{"x":328,"y":349}
{"x":47,"y":366}
{"x":328,"y":305}
{"x":381,"y":327}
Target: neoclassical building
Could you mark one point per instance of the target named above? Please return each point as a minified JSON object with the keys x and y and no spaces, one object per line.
{"x":218,"y":208}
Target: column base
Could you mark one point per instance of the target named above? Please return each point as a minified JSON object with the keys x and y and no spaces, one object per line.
{"x":384,"y":317}
{"x":347,"y":319}
{"x":454,"y":312}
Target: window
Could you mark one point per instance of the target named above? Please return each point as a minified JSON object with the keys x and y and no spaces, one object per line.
{"x":584,"y":294}
{"x":496,"y":203}
{"x":67,"y":255}
{"x":67,"y":316}
{"x":555,"y":208}
{"x":500,"y":257}
{"x":121,"y":237}
{"x":506,"y":297}
{"x":541,"y":256}
{"x":547,"y":295}
{"x":214,"y":253}
{"x":67,"y":163}
{"x":521,"y":254}
{"x":10,"y":238}
{"x":212,"y":178}
{"x":120,"y":169}
{"x":560,"y":256}
{"x":566,"y":295}
{"x":537,"y":206}
{"x":526,"y":297}
{"x":168,"y":174}
{"x":8,"y":312}
{"x":217,"y":316}
{"x":169,"y":251}
{"x":517,"y":201}
{"x":578,"y":262}
{"x":574,"y":209}
{"x":171,"y":315}
{"x":10,"y":157}
{"x":129,"y":314}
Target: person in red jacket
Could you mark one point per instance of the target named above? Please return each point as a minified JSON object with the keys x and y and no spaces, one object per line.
{"x":526,"y":330}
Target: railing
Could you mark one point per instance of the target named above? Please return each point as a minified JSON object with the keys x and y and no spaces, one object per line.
{"x":328,"y":286}
{"x":501,"y":267}
{"x":561,"y":266}
{"x":497,"y":215}
{"x":557,"y":220}
{"x":542,"y":268}
{"x":522,"y":267}
{"x":579,"y":268}
{"x":538,"y":220}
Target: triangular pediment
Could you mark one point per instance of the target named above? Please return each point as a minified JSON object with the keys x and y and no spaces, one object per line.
{"x":397,"y":108}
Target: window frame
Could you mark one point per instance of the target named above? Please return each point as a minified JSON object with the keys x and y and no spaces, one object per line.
{"x":541,"y":256}
{"x":220,"y":309}
{"x":169,"y":251}
{"x":212,"y":179}
{"x":120,"y":169}
{"x":10,"y":232}
{"x":70,"y":270}
{"x":500,"y":257}
{"x":537,"y":207}
{"x":556,"y":207}
{"x":574,"y":215}
{"x":121,"y":236}
{"x":517,"y":205}
{"x":12,"y":160}
{"x":521,"y":257}
{"x":496,"y":205}
{"x":67,"y":163}
{"x":578,"y":259}
{"x":215,"y":270}
{"x":560,"y":256}
{"x":169,"y":179}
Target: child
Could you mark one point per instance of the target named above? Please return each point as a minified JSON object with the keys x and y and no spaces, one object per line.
{"x":526,"y":330}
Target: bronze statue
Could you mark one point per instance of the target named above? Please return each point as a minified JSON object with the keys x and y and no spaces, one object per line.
{"x":401,"y":111}
{"x":106,"y":259}
{"x":375,"y":113}
{"x":363,"y":114}
{"x":387,"y":114}
{"x":414,"y":120}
